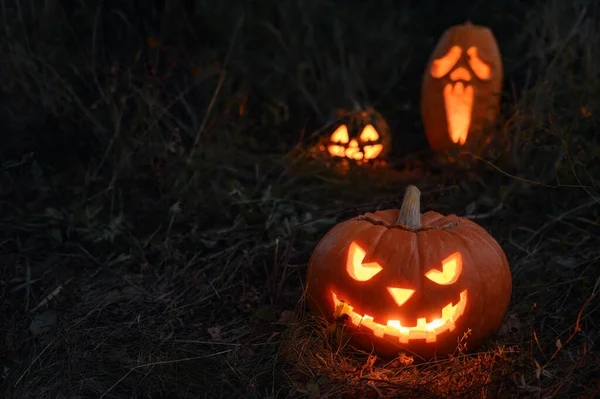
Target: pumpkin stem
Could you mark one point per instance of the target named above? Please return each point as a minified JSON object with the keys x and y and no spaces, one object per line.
{"x":410,"y":212}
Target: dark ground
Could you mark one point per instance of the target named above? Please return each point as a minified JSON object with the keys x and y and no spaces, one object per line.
{"x":157,"y":216}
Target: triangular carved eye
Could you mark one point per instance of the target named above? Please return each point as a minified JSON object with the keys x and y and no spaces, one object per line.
{"x":451,"y":268}
{"x":356,"y":268}
{"x":369,"y":134}
{"x":340,"y":135}
{"x":441,"y":66}
{"x":481,"y":69}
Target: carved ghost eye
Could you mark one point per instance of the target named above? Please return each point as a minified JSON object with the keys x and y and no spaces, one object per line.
{"x":442,"y":66}
{"x":479,"y":67}
{"x":358,"y":270}
{"x":451,"y":268}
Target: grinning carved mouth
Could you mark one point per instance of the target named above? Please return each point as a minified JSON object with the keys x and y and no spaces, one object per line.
{"x":423,"y":329}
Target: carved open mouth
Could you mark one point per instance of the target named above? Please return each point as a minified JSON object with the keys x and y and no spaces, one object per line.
{"x":423,"y":330}
{"x":458,"y":100}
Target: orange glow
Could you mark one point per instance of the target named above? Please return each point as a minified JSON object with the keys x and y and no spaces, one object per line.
{"x":353,"y":151}
{"x":356,"y":269}
{"x":152,"y":42}
{"x":336,"y":150}
{"x":451,"y":268}
{"x":442,"y":66}
{"x":479,"y":67}
{"x":369,"y":134}
{"x":340,"y":136}
{"x":458,"y":101}
{"x":372,"y":151}
{"x":423,"y":329}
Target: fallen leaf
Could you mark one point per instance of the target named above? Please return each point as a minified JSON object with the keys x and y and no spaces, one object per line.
{"x":586,"y":113}
{"x":208,"y":243}
{"x":265,"y":314}
{"x":342,"y":309}
{"x":215,"y":333}
{"x":152,"y":42}
{"x":50,"y":296}
{"x":129,"y":294}
{"x":471,"y":207}
{"x":241,"y":353}
{"x":273,"y":336}
{"x":313,"y":388}
{"x":43,"y":322}
{"x":403,"y":360}
{"x":56,"y":235}
{"x":567,"y":262}
{"x":368,"y":366}
{"x":511,"y":325}
{"x":286,"y":316}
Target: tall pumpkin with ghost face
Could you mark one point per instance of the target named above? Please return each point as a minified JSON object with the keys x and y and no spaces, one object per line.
{"x":461,"y":88}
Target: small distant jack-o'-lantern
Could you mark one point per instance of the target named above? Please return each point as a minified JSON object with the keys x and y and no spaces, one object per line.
{"x":461,"y":88}
{"x":408,"y":281}
{"x":361,"y":136}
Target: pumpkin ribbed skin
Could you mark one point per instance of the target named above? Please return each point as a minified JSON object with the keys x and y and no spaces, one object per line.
{"x":405,"y":255}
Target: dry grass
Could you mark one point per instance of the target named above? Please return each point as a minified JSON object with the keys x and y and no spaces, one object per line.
{"x":157,"y":214}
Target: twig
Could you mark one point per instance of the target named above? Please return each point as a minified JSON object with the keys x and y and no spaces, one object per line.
{"x":58,"y":336}
{"x":213,"y":100}
{"x":537,"y":183}
{"x":50,"y":296}
{"x":559,"y":217}
{"x":478,"y":216}
{"x":576,"y":329}
{"x":159,"y":364}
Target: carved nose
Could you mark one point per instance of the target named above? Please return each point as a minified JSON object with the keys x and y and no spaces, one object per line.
{"x":353,"y":151}
{"x":400,"y":295}
{"x":460,"y":73}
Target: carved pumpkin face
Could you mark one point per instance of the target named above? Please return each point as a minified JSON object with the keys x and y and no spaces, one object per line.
{"x":359,"y":136}
{"x":443,"y":317}
{"x":416,"y":288}
{"x":461,"y":87}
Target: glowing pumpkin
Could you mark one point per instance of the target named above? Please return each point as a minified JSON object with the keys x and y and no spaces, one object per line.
{"x":360,"y":136}
{"x":461,"y":87}
{"x":412,"y":282}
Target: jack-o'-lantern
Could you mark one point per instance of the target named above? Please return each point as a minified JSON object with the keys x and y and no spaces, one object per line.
{"x":406,"y":281}
{"x":461,"y":89}
{"x":361,"y":136}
